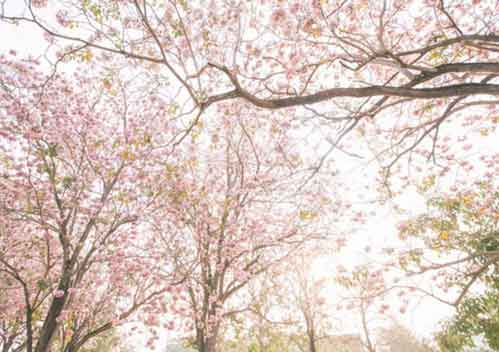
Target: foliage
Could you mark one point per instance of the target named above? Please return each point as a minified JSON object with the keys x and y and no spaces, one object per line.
{"x":463,"y":225}
{"x":475,"y":323}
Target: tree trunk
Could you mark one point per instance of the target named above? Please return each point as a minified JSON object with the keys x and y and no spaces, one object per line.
{"x":312,"y":346}
{"x":369,"y":345}
{"x":207,"y":343}
{"x":311,"y":342}
{"x":29,"y":330}
{"x":50,"y":324}
{"x":211,"y":344}
{"x":310,"y":331}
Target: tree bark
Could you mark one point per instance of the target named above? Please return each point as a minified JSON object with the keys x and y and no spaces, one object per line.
{"x":50,"y":324}
{"x":207,"y":343}
{"x":369,"y":345}
{"x":311,"y":343}
{"x":407,"y":90}
{"x":211,"y":344}
{"x":311,"y":335}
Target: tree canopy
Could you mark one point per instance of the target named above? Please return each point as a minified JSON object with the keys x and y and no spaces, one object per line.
{"x":164,"y":163}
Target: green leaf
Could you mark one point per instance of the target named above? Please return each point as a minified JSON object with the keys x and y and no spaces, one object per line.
{"x":42,"y":285}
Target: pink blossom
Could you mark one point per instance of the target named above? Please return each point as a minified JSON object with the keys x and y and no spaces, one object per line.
{"x":39,"y":3}
{"x":58,"y":293}
{"x":278,"y":16}
{"x":402,"y":226}
{"x":62,"y":18}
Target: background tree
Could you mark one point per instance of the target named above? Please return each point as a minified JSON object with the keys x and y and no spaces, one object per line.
{"x":239,"y":212}
{"x":457,"y":244}
{"x":107,"y":342}
{"x":365,"y":290}
{"x":304,"y":297}
{"x":397,"y":337}
{"x":287,"y":312}
{"x":265,"y":325}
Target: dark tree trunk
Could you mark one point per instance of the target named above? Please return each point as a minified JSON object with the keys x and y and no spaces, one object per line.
{"x":207,"y":343}
{"x":50,"y":324}
{"x":311,"y":342}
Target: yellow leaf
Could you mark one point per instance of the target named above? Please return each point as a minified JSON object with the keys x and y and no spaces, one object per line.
{"x":467,"y":200}
{"x":96,"y":11}
{"x":172,"y":109}
{"x":87,"y":55}
{"x":428,"y":108}
{"x":484,"y":132}
{"x":306,"y":215}
{"x":436,"y":55}
{"x":127,"y":155}
{"x":444,"y":235}
{"x":106,"y":83}
{"x":170,"y":169}
{"x":316,"y":32}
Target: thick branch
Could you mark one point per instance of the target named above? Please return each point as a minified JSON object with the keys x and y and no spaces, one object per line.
{"x":406,"y":91}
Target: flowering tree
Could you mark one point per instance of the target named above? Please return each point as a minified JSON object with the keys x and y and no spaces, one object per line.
{"x":398,"y":337}
{"x":239,"y":211}
{"x":288,"y":309}
{"x":244,"y":210}
{"x":230,"y":81}
{"x":365,"y":293}
{"x":77,"y":179}
{"x":266,"y":326}
{"x":400,"y":69}
{"x":304,"y":298}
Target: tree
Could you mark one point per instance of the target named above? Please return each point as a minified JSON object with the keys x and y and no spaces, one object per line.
{"x":304,"y":297}
{"x":77,"y":179}
{"x":398,"y":70}
{"x":266,"y":325}
{"x":239,"y":212}
{"x":288,"y":310}
{"x":365,"y":292}
{"x":458,"y":245}
{"x":397,"y":337}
